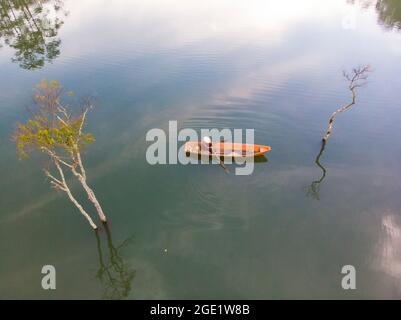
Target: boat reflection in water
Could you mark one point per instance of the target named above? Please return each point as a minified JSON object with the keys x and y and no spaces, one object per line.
{"x":213,"y":159}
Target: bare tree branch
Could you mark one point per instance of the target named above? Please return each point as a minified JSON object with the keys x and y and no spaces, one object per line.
{"x":54,"y":179}
{"x":73,"y":200}
{"x":56,"y":157}
{"x":356,"y":80}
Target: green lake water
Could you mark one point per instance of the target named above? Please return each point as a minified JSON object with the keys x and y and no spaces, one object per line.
{"x":194,"y":231}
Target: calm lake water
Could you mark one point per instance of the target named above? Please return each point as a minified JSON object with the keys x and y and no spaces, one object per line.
{"x":193,"y":231}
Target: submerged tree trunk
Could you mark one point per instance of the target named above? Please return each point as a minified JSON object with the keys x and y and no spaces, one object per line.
{"x":355,"y":80}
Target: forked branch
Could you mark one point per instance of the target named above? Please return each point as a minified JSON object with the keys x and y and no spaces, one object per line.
{"x":357,"y":78}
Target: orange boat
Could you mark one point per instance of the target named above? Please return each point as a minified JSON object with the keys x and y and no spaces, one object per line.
{"x":226,"y":149}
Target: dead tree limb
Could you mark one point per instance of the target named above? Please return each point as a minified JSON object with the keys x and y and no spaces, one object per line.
{"x":356,"y":79}
{"x":62,"y":185}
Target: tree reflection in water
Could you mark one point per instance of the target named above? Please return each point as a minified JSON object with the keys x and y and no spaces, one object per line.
{"x":388,"y":11}
{"x":314,"y":188}
{"x":114,"y":274}
{"x":31,"y":28}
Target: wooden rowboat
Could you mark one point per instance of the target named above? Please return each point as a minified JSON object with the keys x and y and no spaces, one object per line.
{"x":226,"y":149}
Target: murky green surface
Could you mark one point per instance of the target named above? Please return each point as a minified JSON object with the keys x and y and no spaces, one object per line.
{"x":193,"y":231}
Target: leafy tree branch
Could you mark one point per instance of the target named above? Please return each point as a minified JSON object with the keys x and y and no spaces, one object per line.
{"x":55,"y":132}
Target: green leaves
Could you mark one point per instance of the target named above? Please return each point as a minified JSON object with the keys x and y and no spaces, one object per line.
{"x":51,"y":128}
